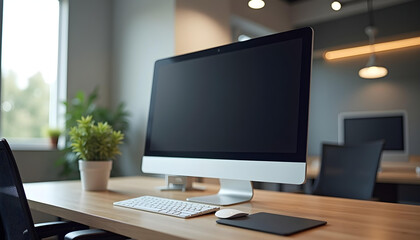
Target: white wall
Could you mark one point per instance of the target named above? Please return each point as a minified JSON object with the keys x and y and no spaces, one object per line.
{"x":143,"y":31}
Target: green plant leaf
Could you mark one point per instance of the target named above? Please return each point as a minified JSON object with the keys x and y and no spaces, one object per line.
{"x":93,"y":142}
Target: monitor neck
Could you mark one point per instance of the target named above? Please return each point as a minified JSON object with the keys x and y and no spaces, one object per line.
{"x":231,"y":192}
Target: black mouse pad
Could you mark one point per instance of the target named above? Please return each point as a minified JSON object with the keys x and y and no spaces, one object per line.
{"x":273,"y":223}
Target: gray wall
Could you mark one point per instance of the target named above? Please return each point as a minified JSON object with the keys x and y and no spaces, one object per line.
{"x":37,"y":166}
{"x":89,"y":48}
{"x":143,"y":31}
{"x":336,"y":86}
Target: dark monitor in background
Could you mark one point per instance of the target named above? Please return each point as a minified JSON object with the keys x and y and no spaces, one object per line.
{"x":391,"y":126}
{"x":237,"y":112}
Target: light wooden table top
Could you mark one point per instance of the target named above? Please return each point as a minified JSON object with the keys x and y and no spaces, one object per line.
{"x":391,"y":172}
{"x":347,"y":219}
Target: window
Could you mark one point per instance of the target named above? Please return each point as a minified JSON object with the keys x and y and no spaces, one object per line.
{"x":29,"y":64}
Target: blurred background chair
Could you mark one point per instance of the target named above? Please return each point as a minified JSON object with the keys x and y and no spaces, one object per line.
{"x":16,"y":221}
{"x":348,"y":171}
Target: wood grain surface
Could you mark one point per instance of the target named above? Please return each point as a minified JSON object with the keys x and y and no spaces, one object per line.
{"x":347,"y":219}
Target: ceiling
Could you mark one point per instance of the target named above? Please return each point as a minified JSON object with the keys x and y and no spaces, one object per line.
{"x":306,"y":12}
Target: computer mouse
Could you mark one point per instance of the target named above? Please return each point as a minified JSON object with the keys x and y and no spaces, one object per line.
{"x":230,"y":213}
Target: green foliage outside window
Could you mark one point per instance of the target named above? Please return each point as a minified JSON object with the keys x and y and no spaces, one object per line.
{"x":25,"y":110}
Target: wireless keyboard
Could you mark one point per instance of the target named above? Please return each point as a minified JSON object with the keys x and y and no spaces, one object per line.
{"x":176,"y":208}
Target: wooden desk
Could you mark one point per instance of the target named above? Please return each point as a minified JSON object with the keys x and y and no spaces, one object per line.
{"x":391,"y":172}
{"x":347,"y":219}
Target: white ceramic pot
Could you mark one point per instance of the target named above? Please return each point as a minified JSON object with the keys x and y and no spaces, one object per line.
{"x":95,"y":174}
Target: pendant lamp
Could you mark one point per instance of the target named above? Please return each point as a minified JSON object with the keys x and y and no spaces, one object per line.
{"x":372,"y":69}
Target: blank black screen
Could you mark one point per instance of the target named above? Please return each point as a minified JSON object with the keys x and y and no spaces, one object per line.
{"x":390,"y":129}
{"x":232,"y":103}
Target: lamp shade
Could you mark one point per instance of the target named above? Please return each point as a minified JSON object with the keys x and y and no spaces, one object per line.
{"x":373,"y":72}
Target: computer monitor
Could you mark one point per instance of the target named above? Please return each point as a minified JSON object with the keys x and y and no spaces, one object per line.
{"x":391,"y":126}
{"x":237,"y":112}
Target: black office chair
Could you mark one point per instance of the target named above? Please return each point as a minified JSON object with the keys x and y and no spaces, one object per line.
{"x":15,"y":217}
{"x":348,"y":171}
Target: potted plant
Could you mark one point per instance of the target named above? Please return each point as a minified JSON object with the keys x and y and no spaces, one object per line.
{"x":96,"y":145}
{"x":83,"y":104}
{"x":54,"y":134}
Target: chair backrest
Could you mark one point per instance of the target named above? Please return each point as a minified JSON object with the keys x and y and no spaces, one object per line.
{"x":15,"y":217}
{"x":349,"y":171}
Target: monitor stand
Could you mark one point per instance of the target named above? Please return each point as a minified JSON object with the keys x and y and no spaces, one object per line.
{"x":231,"y":192}
{"x":179,"y":183}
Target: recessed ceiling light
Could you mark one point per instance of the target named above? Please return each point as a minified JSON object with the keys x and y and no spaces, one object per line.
{"x":336,"y":5}
{"x":256,"y":4}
